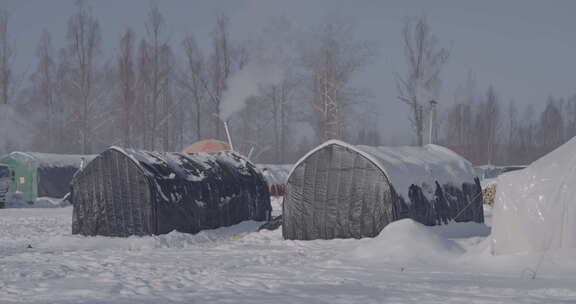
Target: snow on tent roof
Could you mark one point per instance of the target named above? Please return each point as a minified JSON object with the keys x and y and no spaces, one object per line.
{"x":535,"y":208}
{"x":44,"y":160}
{"x":408,"y":165}
{"x":185,"y":166}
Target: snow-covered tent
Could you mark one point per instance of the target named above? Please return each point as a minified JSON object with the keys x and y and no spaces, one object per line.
{"x":208,"y":145}
{"x":42,"y":174}
{"x":535,"y":208}
{"x":342,"y":191}
{"x":276,"y":176}
{"x":126,"y":192}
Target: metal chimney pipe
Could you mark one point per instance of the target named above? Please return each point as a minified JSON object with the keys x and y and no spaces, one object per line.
{"x":228,"y":136}
{"x":432,"y":118}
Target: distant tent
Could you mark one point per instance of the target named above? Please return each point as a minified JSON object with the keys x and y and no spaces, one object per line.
{"x":276,"y":176}
{"x":42,"y":174}
{"x":208,"y":145}
{"x":342,"y":191}
{"x":491,"y":171}
{"x":535,"y":208}
{"x":126,"y":192}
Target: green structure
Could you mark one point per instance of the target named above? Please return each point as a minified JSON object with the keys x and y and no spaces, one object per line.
{"x":35,"y":175}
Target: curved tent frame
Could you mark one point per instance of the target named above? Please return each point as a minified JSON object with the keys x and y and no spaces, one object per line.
{"x":430,"y":184}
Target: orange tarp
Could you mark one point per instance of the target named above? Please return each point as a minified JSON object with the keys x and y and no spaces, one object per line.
{"x":209,"y":145}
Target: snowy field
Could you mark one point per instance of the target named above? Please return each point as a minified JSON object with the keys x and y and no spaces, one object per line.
{"x":406,"y":263}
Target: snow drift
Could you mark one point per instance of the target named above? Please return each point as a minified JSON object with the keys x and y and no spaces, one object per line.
{"x":407,"y":240}
{"x":238,"y":265}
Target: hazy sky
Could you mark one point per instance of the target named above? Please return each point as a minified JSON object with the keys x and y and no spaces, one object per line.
{"x":525,"y":49}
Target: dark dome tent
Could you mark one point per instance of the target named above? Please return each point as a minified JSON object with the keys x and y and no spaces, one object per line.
{"x":126,"y":192}
{"x":342,"y":191}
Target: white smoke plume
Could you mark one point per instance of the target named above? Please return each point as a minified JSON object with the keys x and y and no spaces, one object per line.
{"x":245,"y":83}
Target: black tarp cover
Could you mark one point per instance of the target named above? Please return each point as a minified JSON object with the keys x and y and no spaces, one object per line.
{"x":194,"y":191}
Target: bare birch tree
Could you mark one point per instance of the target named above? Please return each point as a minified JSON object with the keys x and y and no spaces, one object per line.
{"x":127,"y":80}
{"x":492,"y":124}
{"x":513,"y":133}
{"x":152,"y":73}
{"x":170,"y":119}
{"x":526,"y":137}
{"x":274,"y":107}
{"x":84,"y":45}
{"x":66,"y":140}
{"x":331,"y":57}
{"x":459,"y":124}
{"x":425,"y":60}
{"x":7,"y":53}
{"x":570,"y":114}
{"x":281,"y":97}
{"x":220,"y":67}
{"x":551,"y":128}
{"x":193,"y":82}
{"x":44,"y":85}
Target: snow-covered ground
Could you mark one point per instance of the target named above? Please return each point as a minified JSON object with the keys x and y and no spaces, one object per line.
{"x":406,"y":263}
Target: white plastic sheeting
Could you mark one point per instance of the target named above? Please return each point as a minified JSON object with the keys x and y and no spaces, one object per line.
{"x":535,"y":208}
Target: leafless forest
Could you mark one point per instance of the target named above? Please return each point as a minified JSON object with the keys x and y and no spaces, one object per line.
{"x":156,"y":93}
